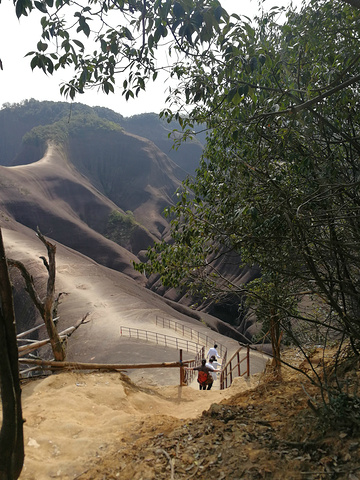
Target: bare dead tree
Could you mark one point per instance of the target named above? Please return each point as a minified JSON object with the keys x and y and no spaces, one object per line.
{"x":46,"y":306}
{"x":11,"y":433}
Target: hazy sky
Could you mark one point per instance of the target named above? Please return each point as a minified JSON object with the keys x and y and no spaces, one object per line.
{"x":18,"y":82}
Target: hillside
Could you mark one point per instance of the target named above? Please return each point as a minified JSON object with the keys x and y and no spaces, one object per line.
{"x":110,"y":298}
{"x":90,"y":185}
{"x":52,"y":195}
{"x":98,"y":169}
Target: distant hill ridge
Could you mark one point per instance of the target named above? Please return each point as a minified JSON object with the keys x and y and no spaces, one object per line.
{"x":18,"y":119}
{"x":126,"y":168}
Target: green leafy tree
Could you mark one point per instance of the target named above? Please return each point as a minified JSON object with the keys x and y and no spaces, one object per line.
{"x":103,"y":40}
{"x":278,"y":183}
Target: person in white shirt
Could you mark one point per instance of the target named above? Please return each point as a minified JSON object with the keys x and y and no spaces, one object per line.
{"x":212,"y":352}
{"x":215,"y":363}
{"x":211,"y":365}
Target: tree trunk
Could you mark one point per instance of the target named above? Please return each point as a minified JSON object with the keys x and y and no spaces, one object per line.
{"x":45,"y":308}
{"x":275,"y":335}
{"x":11,"y":433}
{"x":55,"y":340}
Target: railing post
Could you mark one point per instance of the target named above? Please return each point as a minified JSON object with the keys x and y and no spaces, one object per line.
{"x":182,"y":371}
{"x":238,"y":363}
{"x":248,"y":360}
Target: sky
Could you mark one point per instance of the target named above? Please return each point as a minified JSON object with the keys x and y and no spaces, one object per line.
{"x":18,"y":82}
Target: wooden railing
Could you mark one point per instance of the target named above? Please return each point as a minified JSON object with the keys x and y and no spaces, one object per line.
{"x":161,"y":339}
{"x":195,"y":335}
{"x":233,"y":368}
{"x":45,"y":365}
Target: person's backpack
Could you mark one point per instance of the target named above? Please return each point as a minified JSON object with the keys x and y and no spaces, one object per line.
{"x":203,"y":377}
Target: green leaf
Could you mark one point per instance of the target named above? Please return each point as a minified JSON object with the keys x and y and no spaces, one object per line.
{"x":253,"y":63}
{"x":86,"y":29}
{"x":50,"y":66}
{"x":34,"y":63}
{"x":79,"y":44}
{"x":178,"y":10}
{"x":41,"y":46}
{"x":127,"y":33}
{"x":41,"y":6}
{"x":231,"y":94}
{"x":150,"y":41}
{"x":22,"y":6}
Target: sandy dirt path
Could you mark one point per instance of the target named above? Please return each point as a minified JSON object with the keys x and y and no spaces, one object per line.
{"x":74,"y":418}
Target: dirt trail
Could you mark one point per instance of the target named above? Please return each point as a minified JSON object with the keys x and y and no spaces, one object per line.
{"x":72,"y":419}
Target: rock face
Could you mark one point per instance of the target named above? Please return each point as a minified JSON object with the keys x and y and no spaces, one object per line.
{"x":70,"y":178}
{"x":52,"y":195}
{"x":130,"y":171}
{"x":91,"y":186}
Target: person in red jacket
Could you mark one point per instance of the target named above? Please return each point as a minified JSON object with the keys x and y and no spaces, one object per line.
{"x":204,"y":374}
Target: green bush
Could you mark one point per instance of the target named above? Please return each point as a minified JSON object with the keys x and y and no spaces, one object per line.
{"x":120,"y":227}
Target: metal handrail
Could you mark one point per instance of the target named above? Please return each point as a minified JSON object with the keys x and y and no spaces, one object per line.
{"x":193,"y":334}
{"x":226,"y":375}
{"x":161,"y":339}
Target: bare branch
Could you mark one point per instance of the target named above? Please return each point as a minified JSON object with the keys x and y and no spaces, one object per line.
{"x":29,"y":282}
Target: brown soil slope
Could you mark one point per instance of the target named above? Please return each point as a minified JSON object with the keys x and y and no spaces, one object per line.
{"x":101,"y":426}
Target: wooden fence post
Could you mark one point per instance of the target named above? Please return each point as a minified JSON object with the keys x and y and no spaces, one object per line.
{"x":248,"y":360}
{"x":182,"y":371}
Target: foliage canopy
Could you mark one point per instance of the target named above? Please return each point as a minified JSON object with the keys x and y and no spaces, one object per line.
{"x":102,"y":39}
{"x":279,"y":180}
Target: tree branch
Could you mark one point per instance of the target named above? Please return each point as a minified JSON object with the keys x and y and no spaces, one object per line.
{"x":29,"y":282}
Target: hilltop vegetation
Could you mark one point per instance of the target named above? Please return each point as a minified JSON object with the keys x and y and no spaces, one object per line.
{"x":57,"y":119}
